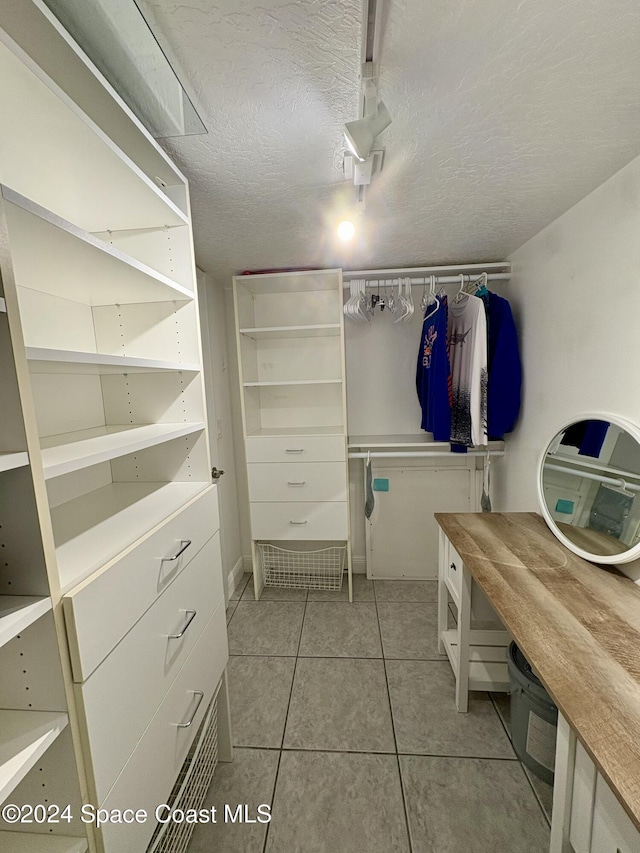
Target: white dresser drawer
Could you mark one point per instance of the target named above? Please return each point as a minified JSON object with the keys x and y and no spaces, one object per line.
{"x":100,"y":611}
{"x":148,"y":777}
{"x":297,"y":481}
{"x":327,"y":520}
{"x":311,"y":448}
{"x":453,"y":572}
{"x":124,"y":692}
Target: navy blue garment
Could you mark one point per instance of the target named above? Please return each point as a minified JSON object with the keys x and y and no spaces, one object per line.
{"x":433,"y":376}
{"x":587,"y":436}
{"x":504,"y":367}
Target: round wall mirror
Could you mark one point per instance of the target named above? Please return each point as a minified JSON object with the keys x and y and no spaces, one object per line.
{"x":589,"y":488}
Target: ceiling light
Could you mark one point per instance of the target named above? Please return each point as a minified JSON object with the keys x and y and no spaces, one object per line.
{"x":361,"y":133}
{"x":346,"y":230}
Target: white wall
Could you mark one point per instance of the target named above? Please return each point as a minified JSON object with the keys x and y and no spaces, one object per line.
{"x":221,"y":426}
{"x":575,"y":291}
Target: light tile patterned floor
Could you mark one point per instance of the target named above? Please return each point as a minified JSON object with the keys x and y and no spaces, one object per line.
{"x":344,"y":722}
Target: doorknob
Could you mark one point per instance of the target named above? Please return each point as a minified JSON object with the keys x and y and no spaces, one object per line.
{"x":216,"y":473}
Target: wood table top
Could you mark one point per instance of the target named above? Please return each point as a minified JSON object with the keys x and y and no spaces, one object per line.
{"x":578,"y":624}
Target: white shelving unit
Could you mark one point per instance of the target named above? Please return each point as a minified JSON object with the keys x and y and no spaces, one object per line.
{"x":105,"y":476}
{"x":17,"y":612}
{"x":290,"y":341}
{"x":26,"y":736}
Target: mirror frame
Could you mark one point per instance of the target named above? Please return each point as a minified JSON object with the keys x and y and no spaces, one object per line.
{"x":627,"y":556}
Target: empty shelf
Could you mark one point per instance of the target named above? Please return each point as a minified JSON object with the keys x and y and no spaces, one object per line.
{"x":272,"y":383}
{"x":17,"y":612}
{"x":8,"y":461}
{"x":24,"y":737}
{"x":92,"y":529}
{"x":43,"y":360}
{"x":72,"y":451}
{"x":98,"y":186}
{"x":116,"y":278}
{"x":268,"y":332}
{"x":30,"y":842}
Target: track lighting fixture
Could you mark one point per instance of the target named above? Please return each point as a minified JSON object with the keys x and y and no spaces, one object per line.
{"x":361,"y":133}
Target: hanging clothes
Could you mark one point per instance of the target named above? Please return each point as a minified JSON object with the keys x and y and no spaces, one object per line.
{"x":503,"y":365}
{"x":587,"y":436}
{"x":467,"y":337}
{"x":433,"y":374}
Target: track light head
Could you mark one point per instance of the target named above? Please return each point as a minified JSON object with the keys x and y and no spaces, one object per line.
{"x":361,"y":133}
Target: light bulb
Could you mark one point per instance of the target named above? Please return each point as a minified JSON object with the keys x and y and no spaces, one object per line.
{"x":346,"y":230}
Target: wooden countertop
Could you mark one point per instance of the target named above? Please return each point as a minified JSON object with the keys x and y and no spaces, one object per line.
{"x":578,"y":625}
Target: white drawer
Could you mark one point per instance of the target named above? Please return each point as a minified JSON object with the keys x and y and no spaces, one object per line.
{"x":297,"y":481}
{"x":100,"y":611}
{"x":310,"y":448}
{"x":453,"y":572}
{"x":149,"y":774}
{"x":327,"y":520}
{"x":124,"y":692}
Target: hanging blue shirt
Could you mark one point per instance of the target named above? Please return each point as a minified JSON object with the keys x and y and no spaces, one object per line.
{"x":433,"y":376}
{"x":504,"y":367}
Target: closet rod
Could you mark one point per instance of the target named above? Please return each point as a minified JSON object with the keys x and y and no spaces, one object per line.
{"x":448,"y":270}
{"x":440,"y":279}
{"x":406,"y":454}
{"x":582,"y":463}
{"x":621,"y":483}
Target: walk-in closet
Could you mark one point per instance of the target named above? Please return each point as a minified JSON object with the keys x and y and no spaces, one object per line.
{"x":320,"y":441}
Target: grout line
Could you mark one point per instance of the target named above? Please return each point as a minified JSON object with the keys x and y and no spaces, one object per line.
{"x":393,"y":726}
{"x":273,"y":797}
{"x":286,"y":720}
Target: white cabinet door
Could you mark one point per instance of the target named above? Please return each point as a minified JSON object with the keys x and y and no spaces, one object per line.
{"x":613,"y":830}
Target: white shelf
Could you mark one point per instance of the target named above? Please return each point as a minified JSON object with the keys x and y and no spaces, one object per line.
{"x":43,"y":360}
{"x":492,"y":675}
{"x":325,"y":330}
{"x":93,"y":529}
{"x":9,"y":461}
{"x":64,"y":158}
{"x":62,"y":454}
{"x":292,"y":382}
{"x":17,"y":612}
{"x":421,"y":441}
{"x":293,"y":431}
{"x":116,"y":278}
{"x":24,"y":738}
{"x":30,"y":842}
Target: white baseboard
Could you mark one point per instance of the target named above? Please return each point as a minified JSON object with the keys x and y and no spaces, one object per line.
{"x":233,"y":578}
{"x":359,"y":565}
{"x":247,"y":562}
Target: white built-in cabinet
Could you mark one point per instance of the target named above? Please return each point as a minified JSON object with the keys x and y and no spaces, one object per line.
{"x":112,"y":616}
{"x":587,"y":816}
{"x":290,"y":343}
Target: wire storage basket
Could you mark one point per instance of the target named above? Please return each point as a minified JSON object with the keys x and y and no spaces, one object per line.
{"x":191,"y":785}
{"x":321,"y":569}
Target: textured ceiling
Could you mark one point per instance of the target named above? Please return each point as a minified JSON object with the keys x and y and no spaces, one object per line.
{"x":505,"y":114}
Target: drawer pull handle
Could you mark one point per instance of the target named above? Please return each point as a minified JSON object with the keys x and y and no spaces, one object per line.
{"x":298,"y":522}
{"x":289,"y":450}
{"x":454,"y":567}
{"x":185,"y":544}
{"x":302,"y":483}
{"x":200,"y":695}
{"x":190,"y":619}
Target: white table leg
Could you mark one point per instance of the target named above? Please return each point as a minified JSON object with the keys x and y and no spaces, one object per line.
{"x":464,"y":627}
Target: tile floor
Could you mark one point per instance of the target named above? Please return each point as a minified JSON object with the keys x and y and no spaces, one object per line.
{"x":344,"y":722}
